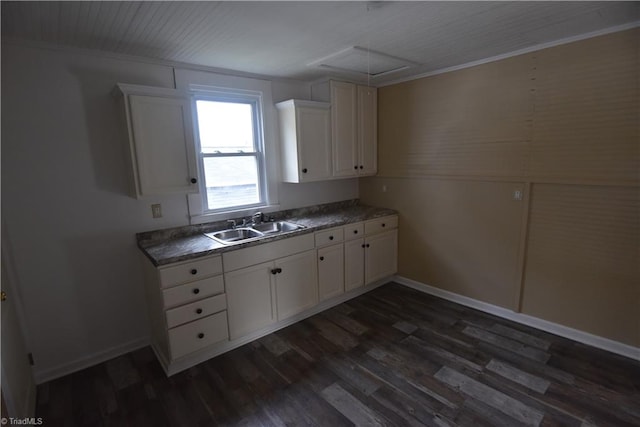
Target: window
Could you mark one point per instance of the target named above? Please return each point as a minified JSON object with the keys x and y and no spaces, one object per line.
{"x":231,"y":151}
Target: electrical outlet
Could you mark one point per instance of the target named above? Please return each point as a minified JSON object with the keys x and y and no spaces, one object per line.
{"x":156,"y":210}
{"x":384,"y":188}
{"x":517,"y":195}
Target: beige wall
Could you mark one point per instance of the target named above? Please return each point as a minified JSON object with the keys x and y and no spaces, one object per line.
{"x":561,"y":125}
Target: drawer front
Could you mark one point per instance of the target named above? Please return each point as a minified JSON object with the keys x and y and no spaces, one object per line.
{"x":353,"y":231}
{"x":190,"y":271}
{"x":196,"y":310}
{"x":329,"y":237}
{"x":380,"y":224}
{"x":196,"y":335}
{"x":193,"y":291}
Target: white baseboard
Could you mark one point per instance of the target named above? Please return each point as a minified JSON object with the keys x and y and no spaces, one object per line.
{"x":42,"y":376}
{"x":554,"y":328}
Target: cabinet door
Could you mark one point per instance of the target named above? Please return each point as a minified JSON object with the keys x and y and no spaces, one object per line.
{"x":296,"y":283}
{"x":381,"y":256}
{"x":250,"y":299}
{"x":344,"y":128}
{"x":354,"y":264}
{"x":330,"y":271}
{"x":367,"y":130}
{"x":164,"y":152}
{"x":314,"y":143}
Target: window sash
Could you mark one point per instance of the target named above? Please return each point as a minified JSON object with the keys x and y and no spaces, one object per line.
{"x":258,"y":153}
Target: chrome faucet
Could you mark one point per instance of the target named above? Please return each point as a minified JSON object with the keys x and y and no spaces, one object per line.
{"x":232,"y":222}
{"x":257,"y":218}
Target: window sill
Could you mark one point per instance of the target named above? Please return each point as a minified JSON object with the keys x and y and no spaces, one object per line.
{"x":232,"y":214}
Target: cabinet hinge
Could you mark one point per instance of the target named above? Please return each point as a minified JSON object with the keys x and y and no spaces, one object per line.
{"x":30,"y":357}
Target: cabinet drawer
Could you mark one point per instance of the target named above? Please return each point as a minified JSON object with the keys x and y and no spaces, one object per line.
{"x":196,"y":310}
{"x":193,"y":291}
{"x":258,"y":254}
{"x":189,"y":271}
{"x":380,"y":224}
{"x":353,"y":231}
{"x":199,"y":334}
{"x":329,"y":237}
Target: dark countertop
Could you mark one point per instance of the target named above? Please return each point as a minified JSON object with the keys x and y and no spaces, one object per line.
{"x":164,"y":247}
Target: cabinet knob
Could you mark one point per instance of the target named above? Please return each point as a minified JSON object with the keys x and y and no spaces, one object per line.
{"x":384,"y":225}
{"x":356,"y":167}
{"x":196,"y":291}
{"x":199,"y":311}
{"x":193,"y":180}
{"x":321,"y":258}
{"x":274,"y":271}
{"x":330,"y":237}
{"x":200,"y":335}
{"x":368,"y":245}
{"x":361,"y":167}
{"x":355,"y":231}
{"x":194,"y":271}
{"x":304,"y":170}
{"x":363,"y":245}
{"x":278,"y":270}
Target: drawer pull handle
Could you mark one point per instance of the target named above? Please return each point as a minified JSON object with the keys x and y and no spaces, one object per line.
{"x":199,"y":311}
{"x":321,"y":258}
{"x":194,"y":271}
{"x":200,"y":335}
{"x":330,"y":237}
{"x":196,"y":291}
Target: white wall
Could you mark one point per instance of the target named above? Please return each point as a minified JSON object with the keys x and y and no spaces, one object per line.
{"x":70,"y":223}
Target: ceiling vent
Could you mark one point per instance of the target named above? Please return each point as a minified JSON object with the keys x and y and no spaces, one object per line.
{"x":359,"y":60}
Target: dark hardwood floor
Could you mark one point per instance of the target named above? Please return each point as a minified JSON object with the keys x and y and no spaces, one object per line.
{"x":393,"y":356}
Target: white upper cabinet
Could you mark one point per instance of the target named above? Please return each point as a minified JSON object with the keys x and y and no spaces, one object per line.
{"x":344,"y":126}
{"x":305,"y":136}
{"x":161,"y":139}
{"x":354,"y":127}
{"x":367,"y":131}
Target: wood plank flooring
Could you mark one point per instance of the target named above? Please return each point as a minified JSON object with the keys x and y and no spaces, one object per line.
{"x":392,"y":357}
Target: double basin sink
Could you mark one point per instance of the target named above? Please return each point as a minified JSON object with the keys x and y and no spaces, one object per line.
{"x":256,"y":231}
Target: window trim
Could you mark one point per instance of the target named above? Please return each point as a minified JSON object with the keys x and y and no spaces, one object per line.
{"x":254,"y":98}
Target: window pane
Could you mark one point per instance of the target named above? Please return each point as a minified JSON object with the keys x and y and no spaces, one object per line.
{"x":231,"y":181}
{"x":225,"y":127}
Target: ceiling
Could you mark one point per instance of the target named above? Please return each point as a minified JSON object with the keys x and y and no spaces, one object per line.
{"x":290,"y":39}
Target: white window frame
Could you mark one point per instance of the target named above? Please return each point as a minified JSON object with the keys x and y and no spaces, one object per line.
{"x":245,"y":97}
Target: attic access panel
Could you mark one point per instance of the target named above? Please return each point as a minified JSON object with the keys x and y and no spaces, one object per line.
{"x":359,"y":60}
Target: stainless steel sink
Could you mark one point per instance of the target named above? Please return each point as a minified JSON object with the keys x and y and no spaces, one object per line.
{"x":239,"y":235}
{"x":234,"y":235}
{"x":277,"y":227}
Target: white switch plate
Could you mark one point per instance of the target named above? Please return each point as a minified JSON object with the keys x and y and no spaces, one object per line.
{"x":156,"y":210}
{"x":517,"y":195}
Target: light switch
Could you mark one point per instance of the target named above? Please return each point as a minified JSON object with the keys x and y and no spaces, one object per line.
{"x":156,"y":210}
{"x":517,"y":195}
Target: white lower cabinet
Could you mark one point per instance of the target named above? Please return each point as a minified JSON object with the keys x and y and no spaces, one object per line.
{"x":381,"y":256}
{"x":250,"y":299}
{"x":330,"y":271}
{"x":353,"y":264}
{"x":296,"y":284}
{"x":204,"y":307}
